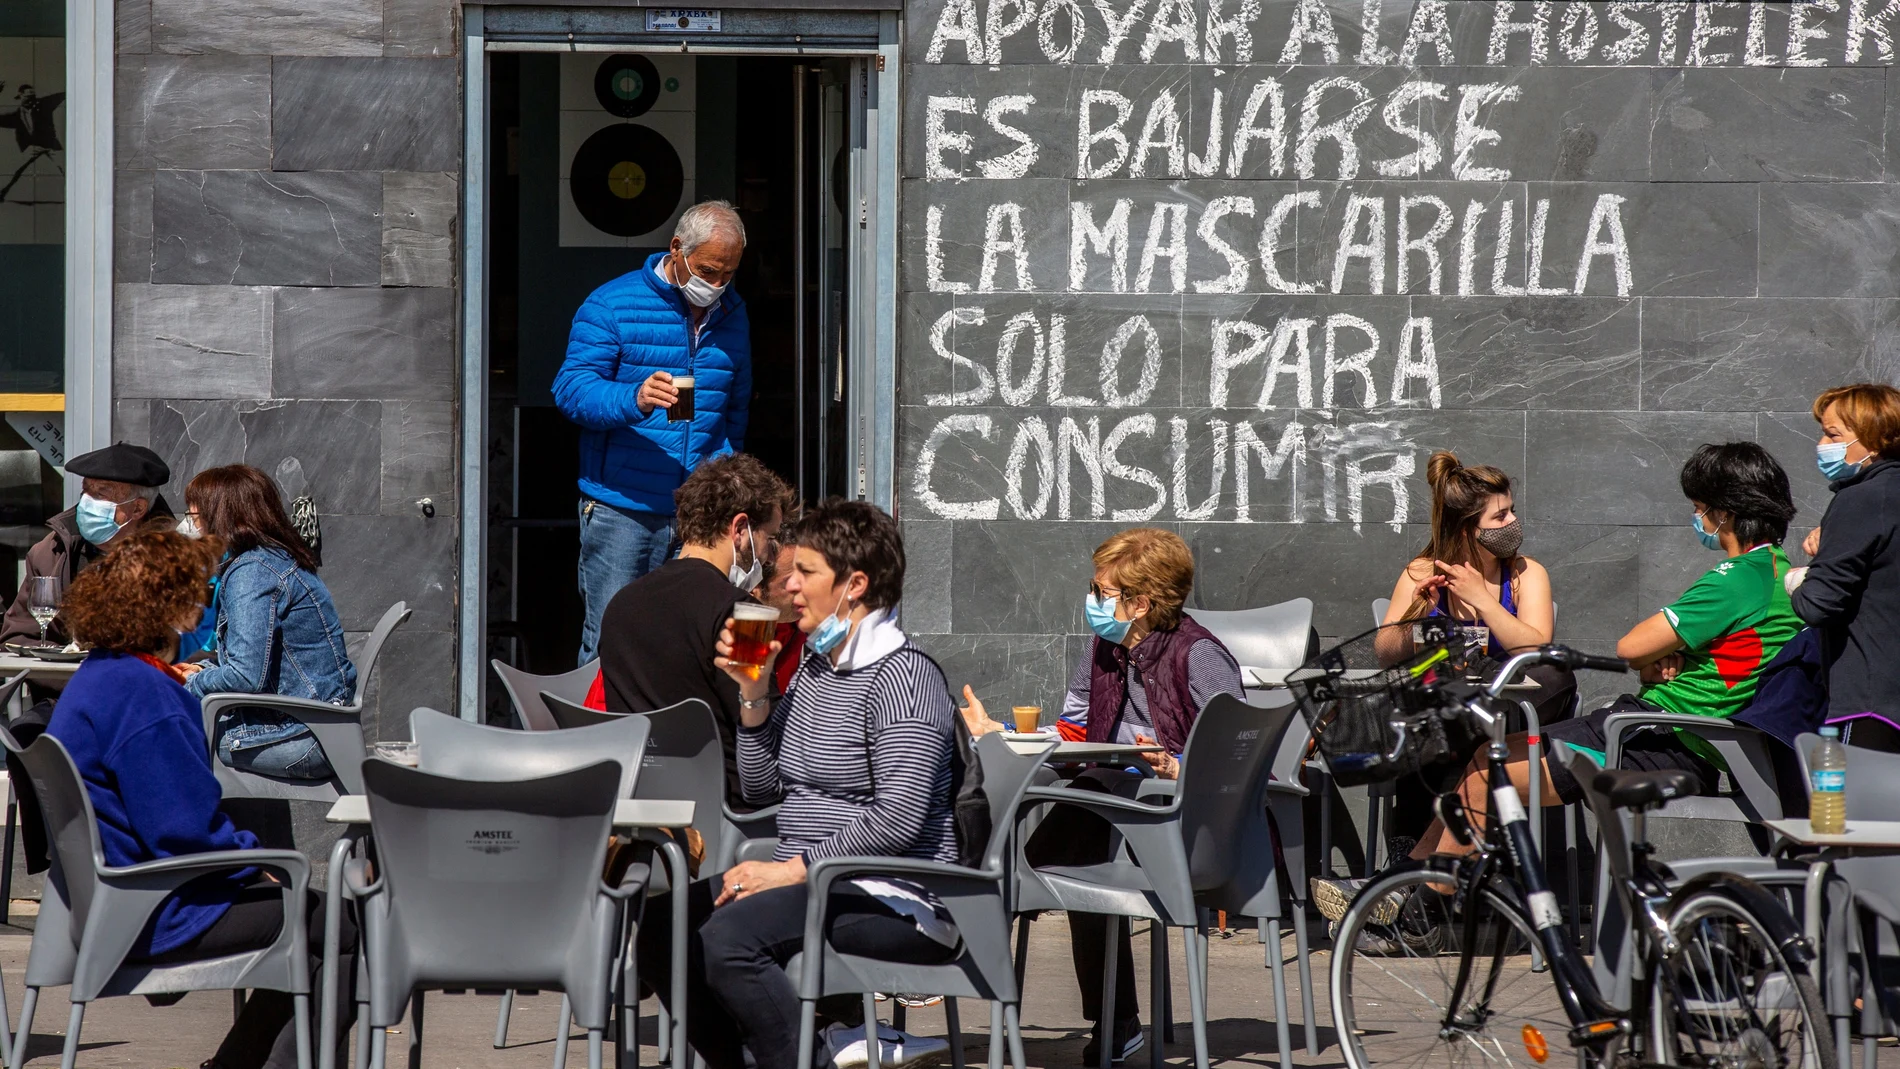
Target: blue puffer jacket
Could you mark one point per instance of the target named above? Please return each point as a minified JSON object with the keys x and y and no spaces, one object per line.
{"x":628,"y":329}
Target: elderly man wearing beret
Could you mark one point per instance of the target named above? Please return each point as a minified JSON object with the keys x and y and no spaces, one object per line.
{"x":119,"y":492}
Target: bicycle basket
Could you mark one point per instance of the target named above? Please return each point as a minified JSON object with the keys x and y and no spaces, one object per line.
{"x":1373,"y":702}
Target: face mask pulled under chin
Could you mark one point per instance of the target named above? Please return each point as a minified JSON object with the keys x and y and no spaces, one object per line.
{"x":826,"y":636}
{"x":747,"y":579}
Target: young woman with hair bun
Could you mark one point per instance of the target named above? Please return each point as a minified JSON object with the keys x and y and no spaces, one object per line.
{"x":1471,"y":569}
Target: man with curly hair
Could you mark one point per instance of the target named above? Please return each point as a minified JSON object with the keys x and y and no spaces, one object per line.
{"x":657,"y":635}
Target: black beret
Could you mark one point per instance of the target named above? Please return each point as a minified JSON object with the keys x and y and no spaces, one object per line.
{"x":121,"y":463}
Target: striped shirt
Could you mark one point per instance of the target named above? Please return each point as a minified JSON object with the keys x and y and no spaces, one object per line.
{"x":862,"y":756}
{"x":1211,"y":671}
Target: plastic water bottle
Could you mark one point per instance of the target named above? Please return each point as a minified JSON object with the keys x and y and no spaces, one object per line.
{"x":1827,"y":769}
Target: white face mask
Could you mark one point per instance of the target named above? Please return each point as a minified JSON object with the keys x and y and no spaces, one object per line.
{"x":189,"y":528}
{"x":702,"y":293}
{"x":748,"y":578}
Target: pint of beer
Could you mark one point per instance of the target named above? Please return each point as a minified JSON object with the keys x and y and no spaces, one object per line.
{"x":682,"y":410}
{"x":752,"y":627}
{"x":1028,"y":718}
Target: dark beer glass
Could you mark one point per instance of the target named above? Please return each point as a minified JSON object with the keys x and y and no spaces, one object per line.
{"x":682,"y":410}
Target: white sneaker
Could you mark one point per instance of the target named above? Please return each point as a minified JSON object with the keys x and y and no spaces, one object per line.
{"x":895,"y":1049}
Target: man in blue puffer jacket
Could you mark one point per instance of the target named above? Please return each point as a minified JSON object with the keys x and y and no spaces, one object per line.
{"x":637,"y":345}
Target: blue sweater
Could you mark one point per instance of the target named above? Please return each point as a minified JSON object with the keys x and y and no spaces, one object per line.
{"x":138,"y":740}
{"x":627,"y":330}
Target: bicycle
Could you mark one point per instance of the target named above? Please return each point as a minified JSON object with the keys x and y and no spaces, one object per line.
{"x":1438,"y":961}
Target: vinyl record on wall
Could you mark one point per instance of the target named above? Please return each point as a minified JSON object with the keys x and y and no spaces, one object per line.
{"x":626,"y":179}
{"x":627,"y":85}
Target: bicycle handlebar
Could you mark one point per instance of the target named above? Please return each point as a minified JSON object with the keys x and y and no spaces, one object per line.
{"x":1562,"y":656}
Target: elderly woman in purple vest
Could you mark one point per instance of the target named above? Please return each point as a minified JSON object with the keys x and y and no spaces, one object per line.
{"x":1148,"y":674}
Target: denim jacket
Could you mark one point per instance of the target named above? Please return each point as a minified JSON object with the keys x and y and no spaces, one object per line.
{"x":278,"y":633}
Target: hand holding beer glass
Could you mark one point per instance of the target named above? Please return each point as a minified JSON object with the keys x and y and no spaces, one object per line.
{"x":752,"y":627}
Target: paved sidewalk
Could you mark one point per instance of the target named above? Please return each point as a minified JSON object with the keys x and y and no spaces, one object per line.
{"x":129,"y":1032}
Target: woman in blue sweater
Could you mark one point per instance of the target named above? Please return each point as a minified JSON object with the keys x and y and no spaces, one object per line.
{"x":277,"y":630}
{"x":135,"y":734}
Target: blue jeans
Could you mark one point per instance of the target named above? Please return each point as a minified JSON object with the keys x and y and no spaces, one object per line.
{"x":617,"y":547}
{"x":270,"y":744}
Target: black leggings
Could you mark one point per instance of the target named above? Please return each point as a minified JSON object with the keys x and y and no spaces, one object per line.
{"x":262,"y":1037}
{"x":738,"y":993}
{"x":1073,"y":836}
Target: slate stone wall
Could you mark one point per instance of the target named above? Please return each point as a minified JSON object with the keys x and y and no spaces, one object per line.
{"x":1207,"y":361}
{"x":285,"y":270}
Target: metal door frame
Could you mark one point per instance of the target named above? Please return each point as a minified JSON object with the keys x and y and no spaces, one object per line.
{"x":873,"y":326}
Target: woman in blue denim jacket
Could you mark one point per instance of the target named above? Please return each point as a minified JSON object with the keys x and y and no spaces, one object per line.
{"x":277,"y":630}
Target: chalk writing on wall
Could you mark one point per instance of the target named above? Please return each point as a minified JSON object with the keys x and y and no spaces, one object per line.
{"x":1214,"y":260}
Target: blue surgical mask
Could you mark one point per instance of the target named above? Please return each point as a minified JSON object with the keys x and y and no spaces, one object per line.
{"x":98,"y":520}
{"x":832,"y":631}
{"x":1709,"y":539}
{"x":1101,"y":617}
{"x":1831,"y":458}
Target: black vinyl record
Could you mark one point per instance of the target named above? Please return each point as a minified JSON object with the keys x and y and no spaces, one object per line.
{"x":627,"y":85}
{"x":626,"y":179}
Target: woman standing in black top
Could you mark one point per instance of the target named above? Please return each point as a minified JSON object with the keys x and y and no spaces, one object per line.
{"x":1851,"y":589}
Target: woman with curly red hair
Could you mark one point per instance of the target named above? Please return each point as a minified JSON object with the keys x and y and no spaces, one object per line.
{"x":137,"y":737}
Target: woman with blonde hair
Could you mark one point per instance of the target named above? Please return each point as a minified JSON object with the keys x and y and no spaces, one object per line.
{"x":1850,"y":591}
{"x":1145,"y":678}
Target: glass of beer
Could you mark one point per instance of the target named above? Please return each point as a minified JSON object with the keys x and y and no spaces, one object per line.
{"x":752,"y":627}
{"x":682,"y":410}
{"x":1028,"y":718}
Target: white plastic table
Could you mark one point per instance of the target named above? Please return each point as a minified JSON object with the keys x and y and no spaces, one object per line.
{"x":628,"y":812}
{"x":1081,"y":751}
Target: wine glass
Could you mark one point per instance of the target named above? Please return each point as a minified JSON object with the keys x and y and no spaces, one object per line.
{"x":43,"y":597}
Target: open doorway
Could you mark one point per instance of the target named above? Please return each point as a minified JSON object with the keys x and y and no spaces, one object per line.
{"x":592,"y":157}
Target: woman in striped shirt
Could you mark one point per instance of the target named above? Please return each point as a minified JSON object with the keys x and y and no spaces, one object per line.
{"x":859,"y":745}
{"x":1145,"y":678}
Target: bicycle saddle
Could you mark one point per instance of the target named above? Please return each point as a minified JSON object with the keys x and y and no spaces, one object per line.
{"x":1635,"y":788}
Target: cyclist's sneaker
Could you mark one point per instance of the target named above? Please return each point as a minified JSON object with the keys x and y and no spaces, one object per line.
{"x":1334,"y":896}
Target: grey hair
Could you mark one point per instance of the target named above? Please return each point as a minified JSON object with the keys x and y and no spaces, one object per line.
{"x":700,"y":222}
{"x":147,"y":494}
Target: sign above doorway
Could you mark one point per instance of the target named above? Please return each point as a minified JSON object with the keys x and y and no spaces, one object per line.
{"x":684,"y":19}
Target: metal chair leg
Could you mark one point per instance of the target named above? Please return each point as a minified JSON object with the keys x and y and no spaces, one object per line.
{"x":1022,"y":949}
{"x":73,"y":1023}
{"x":1306,"y":976}
{"x":872,"y":1041}
{"x":237,"y":1002}
{"x":379,"y":1048}
{"x":16,"y":1051}
{"x":1105,"y":1027}
{"x":1012,"y":1019}
{"x":1282,"y":1031}
{"x":302,"y":1004}
{"x":562,"y":1030}
{"x":955,"y":1029}
{"x":1157,"y":977}
{"x":415,"y":1032}
{"x":1167,"y":996}
{"x":594,"y":1036}
{"x":666,"y":1033}
{"x":807,"y":1032}
{"x":501,"y":1018}
{"x":997,"y":1039}
{"x":1197,"y":993}
{"x":1323,"y":789}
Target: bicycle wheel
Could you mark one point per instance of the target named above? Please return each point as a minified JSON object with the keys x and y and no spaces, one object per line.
{"x":1393,"y":983}
{"x":1730,"y":999}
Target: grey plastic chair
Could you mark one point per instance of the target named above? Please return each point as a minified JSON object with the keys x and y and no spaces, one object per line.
{"x":543,"y":917}
{"x":1188,"y":854}
{"x":524,"y":691}
{"x":338,"y":730}
{"x":976,"y":901}
{"x":1752,"y":798}
{"x":450,"y":746}
{"x":1267,"y":642}
{"x":1379,"y":608}
{"x":101,"y":911}
{"x":570,"y":713}
{"x":686,"y":759}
